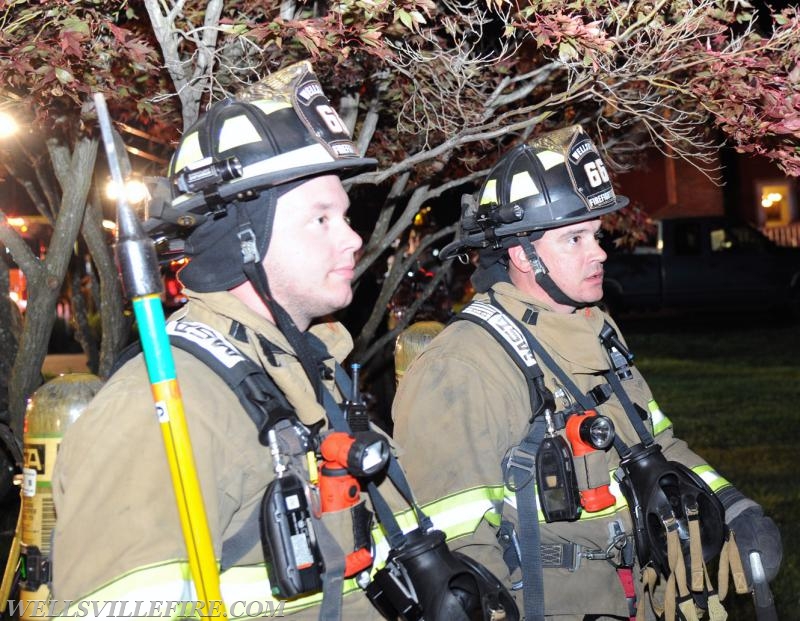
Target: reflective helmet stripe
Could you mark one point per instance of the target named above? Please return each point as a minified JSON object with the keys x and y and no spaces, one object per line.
{"x":304,"y":156}
{"x":189,"y":152}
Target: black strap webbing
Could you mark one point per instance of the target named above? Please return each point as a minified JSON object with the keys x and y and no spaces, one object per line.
{"x":254,"y":270}
{"x":513,"y":339}
{"x":521,"y":464}
{"x":263,"y":401}
{"x":638,"y":424}
{"x":265,"y":404}
{"x":521,"y":467}
{"x":395,"y":473}
{"x":584,"y":401}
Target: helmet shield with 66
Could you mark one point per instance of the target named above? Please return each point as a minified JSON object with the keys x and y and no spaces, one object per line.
{"x":556,"y":179}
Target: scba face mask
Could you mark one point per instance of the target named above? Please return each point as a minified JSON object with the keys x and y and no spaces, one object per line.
{"x":666,"y":497}
{"x":426,"y":581}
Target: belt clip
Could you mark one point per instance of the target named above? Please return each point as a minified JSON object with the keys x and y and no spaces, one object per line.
{"x":522,"y":459}
{"x":35,"y":566}
{"x":577,"y":554}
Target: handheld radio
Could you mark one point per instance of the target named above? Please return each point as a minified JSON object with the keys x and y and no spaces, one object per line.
{"x":287,"y":532}
{"x":556,"y":482}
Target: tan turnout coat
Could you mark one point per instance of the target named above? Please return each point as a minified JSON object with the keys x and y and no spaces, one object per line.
{"x":118,"y":525}
{"x":464,"y":403}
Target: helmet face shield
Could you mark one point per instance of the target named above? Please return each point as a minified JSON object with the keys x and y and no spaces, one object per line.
{"x":556,"y":179}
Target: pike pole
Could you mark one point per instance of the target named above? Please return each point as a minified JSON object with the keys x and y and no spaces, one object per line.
{"x":141,"y":280}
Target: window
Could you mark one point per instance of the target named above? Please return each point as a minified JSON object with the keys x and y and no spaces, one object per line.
{"x":775,"y":202}
{"x":687,"y":239}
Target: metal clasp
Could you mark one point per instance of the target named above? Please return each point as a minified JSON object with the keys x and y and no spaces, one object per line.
{"x":247,"y":240}
{"x":518,"y":457}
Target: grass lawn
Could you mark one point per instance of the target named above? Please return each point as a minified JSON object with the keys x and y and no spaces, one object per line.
{"x":731,"y":386}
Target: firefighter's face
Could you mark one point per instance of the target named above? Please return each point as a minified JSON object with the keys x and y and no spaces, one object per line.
{"x":574,"y":259}
{"x":310,"y":261}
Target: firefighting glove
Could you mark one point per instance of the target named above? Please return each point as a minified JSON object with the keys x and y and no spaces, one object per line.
{"x":754,"y":532}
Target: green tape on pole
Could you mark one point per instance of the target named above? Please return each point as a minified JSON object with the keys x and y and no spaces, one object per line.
{"x":153,"y":335}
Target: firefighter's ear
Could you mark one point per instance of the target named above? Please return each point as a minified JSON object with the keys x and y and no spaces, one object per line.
{"x":518,"y":260}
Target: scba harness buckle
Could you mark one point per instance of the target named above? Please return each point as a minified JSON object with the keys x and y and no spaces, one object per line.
{"x":523,"y":460}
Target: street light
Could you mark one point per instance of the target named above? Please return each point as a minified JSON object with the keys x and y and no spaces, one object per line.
{"x":8,"y":125}
{"x":136,"y":191}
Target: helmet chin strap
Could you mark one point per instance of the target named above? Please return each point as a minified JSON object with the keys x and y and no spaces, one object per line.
{"x":254,"y":270}
{"x":542,"y":276}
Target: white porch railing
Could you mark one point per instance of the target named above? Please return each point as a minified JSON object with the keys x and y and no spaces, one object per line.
{"x":786,"y":235}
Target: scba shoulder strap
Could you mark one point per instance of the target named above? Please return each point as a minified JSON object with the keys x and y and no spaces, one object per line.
{"x":263,"y":401}
{"x":521,"y":463}
{"x":260,"y":397}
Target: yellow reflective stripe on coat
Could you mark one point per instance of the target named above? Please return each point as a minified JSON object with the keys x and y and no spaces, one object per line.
{"x":457,"y":515}
{"x":461,"y":513}
{"x":712,"y":478}
{"x":660,"y":421}
{"x":243,"y":589}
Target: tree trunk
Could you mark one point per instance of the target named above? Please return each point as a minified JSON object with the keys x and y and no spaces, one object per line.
{"x":44,"y":285}
{"x":113,"y":323}
{"x":80,"y":317}
{"x":10,"y":328}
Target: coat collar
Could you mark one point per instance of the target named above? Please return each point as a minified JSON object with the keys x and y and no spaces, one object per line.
{"x":572,"y":339}
{"x":221,"y":308}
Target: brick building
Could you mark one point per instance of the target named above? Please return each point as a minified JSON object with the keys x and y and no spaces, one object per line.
{"x":754,"y":190}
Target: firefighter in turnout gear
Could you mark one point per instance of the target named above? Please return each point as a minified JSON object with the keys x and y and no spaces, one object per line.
{"x":293,"y":479}
{"x":533,"y":437}
{"x":258,"y":204}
